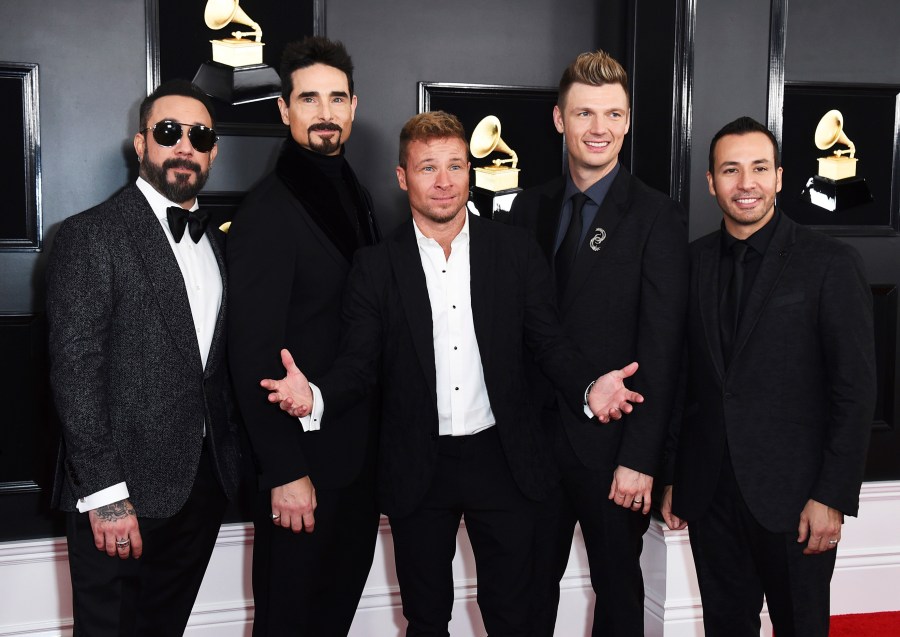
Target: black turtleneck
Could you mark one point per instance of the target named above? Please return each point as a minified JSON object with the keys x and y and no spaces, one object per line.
{"x":328,"y":189}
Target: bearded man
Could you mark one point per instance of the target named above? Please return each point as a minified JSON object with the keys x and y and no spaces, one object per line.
{"x":136,"y":298}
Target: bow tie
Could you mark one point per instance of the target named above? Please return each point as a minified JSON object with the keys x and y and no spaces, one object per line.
{"x":178,"y":218}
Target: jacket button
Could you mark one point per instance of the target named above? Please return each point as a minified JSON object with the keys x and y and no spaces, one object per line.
{"x":728,"y":395}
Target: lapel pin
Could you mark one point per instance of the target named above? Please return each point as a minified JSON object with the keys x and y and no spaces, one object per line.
{"x":597,"y":239}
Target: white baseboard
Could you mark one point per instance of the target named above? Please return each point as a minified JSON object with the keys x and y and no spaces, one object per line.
{"x":35,"y":591}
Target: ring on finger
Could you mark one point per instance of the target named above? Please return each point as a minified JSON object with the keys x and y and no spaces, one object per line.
{"x":122,"y":543}
{"x":276,"y":516}
{"x":832,"y":542}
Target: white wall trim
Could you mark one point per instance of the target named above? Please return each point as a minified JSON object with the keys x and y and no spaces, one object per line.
{"x":35,"y":594}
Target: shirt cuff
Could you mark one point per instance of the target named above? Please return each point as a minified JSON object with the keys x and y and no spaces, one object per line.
{"x":587,"y":409}
{"x":312,"y":421}
{"x":115,"y":493}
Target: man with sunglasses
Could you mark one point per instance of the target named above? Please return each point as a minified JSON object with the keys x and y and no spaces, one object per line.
{"x":290,"y":247}
{"x":136,"y":309}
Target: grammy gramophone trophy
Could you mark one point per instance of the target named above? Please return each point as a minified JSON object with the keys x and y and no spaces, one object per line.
{"x":496,"y":185}
{"x":836,"y":186}
{"x":236,"y":73}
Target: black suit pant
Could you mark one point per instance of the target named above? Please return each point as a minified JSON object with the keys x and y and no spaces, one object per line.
{"x":738,"y":561}
{"x":472,"y":480}
{"x":613,"y":539}
{"x":309,"y":584}
{"x":151,"y":596}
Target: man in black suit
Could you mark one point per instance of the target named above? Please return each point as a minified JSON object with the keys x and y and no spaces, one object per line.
{"x":289,"y":251}
{"x":440,"y":314}
{"x":621,"y":269}
{"x":780,"y":396}
{"x":136,"y":298}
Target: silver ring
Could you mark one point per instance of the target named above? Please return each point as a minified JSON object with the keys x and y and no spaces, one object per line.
{"x":123,"y":542}
{"x":637,"y":501}
{"x":275,"y":516}
{"x":832,"y":541}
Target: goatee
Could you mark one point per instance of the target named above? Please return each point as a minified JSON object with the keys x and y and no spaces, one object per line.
{"x":321,"y":145}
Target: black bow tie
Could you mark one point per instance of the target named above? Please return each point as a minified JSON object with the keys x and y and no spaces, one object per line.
{"x":196,"y":220}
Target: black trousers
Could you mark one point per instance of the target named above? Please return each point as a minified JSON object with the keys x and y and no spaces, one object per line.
{"x":309,"y":584}
{"x":613,"y":539}
{"x":151,"y":596}
{"x":738,"y":561}
{"x":472,"y":480}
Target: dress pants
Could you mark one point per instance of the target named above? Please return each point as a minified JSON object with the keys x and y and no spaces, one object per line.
{"x":151,"y":596}
{"x":472,"y":480}
{"x":309,"y":584}
{"x":613,"y":538}
{"x":738,"y":561}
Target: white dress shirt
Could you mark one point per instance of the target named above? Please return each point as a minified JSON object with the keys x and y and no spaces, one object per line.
{"x":203,"y":283}
{"x":462,"y":398}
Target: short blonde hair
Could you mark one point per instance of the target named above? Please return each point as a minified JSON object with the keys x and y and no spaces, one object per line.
{"x":427,"y":126}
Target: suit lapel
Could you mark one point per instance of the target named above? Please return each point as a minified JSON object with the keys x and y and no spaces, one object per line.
{"x":217,"y":348}
{"x":708,"y":293}
{"x":480,"y":287}
{"x":608,"y":217}
{"x":547,"y":222}
{"x":407,"y":266}
{"x":162,"y":270}
{"x":773,"y":264}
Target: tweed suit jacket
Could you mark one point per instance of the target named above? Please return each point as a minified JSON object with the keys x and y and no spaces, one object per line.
{"x":389,"y":337}
{"x":125,"y":366}
{"x":626,"y":301}
{"x":795,"y":405}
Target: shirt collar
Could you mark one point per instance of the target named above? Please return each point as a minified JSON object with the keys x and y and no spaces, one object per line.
{"x":596,"y":192}
{"x":759,"y":240}
{"x":463,"y":233}
{"x":158,"y":202}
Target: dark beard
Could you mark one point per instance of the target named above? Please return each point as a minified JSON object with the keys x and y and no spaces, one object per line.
{"x":181,"y":190}
{"x":325,"y":146}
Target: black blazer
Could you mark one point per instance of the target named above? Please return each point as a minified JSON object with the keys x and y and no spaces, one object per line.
{"x":126,"y":373}
{"x":287,"y":278}
{"x":624,"y":302}
{"x":388,"y":335}
{"x":795,"y":405}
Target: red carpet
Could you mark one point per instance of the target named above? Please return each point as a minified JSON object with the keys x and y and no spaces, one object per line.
{"x":866,"y":625}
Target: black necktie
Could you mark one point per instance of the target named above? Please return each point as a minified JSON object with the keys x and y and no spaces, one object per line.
{"x":568,"y":249}
{"x":195,"y":220}
{"x":730,"y":313}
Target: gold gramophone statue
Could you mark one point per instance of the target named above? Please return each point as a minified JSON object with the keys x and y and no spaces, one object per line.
{"x":485,"y":140}
{"x":236,"y":73}
{"x":836,"y":186}
{"x":496,"y":185}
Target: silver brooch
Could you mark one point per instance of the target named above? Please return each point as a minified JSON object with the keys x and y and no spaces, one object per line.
{"x":597,"y":239}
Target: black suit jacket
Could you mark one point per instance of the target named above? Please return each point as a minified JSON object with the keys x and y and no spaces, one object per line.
{"x":388,"y":336}
{"x":287,"y":277}
{"x":795,"y":405}
{"x":126,"y":373}
{"x":624,"y":302}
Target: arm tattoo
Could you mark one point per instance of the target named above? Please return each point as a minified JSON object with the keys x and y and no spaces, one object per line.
{"x":115,"y":511}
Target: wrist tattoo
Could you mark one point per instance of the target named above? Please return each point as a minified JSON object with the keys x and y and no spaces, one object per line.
{"x":115,"y":511}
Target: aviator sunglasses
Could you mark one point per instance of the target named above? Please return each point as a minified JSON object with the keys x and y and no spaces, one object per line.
{"x":167,"y":133}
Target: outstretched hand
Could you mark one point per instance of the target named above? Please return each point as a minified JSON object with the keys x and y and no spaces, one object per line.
{"x":292,"y":393}
{"x":609,"y":398}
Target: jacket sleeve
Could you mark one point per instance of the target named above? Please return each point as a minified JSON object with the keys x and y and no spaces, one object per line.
{"x":261,"y":270}
{"x":847,"y":337}
{"x":80,"y":300}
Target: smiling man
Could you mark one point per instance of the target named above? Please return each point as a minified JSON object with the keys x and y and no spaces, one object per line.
{"x":136,"y":300}
{"x":769,"y":456}
{"x":440,"y":315}
{"x":290,"y":247}
{"x":619,"y":253}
